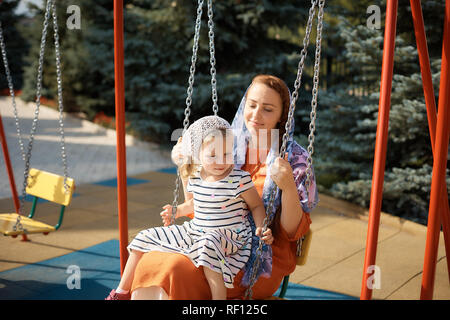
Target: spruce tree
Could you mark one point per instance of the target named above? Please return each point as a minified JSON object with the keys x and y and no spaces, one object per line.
{"x":15,"y":43}
{"x":348,"y":119}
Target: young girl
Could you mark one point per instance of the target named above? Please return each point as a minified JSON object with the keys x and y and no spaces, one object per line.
{"x":218,"y":238}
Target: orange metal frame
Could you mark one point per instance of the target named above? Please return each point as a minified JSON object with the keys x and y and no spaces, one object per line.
{"x":439,"y":133}
{"x":438,"y":213}
{"x":119,"y":76}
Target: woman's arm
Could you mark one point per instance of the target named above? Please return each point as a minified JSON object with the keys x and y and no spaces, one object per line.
{"x":291,"y":210}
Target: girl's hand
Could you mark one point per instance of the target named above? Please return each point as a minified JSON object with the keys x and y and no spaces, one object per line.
{"x":177,"y":155}
{"x":266,"y":236}
{"x":281,"y":173}
{"x":166,"y":215}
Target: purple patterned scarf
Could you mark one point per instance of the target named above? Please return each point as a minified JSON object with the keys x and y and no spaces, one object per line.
{"x":297,"y":157}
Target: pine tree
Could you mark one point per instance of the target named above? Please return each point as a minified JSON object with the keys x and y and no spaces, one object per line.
{"x":72,"y":51}
{"x":251,"y":37}
{"x":347,"y":123}
{"x":15,"y":43}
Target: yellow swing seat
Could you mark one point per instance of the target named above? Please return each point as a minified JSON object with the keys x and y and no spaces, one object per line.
{"x":43,"y":185}
{"x":8,"y":220}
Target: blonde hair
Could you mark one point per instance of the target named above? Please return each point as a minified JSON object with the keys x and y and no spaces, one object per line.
{"x":189,"y":167}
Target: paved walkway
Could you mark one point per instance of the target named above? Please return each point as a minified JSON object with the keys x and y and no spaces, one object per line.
{"x":91,"y":149}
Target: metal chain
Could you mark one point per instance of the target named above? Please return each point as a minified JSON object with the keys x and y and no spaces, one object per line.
{"x":187,"y":111}
{"x":294,"y":97}
{"x":50,"y":6}
{"x":315,"y":91}
{"x":11,"y":91}
{"x":212,"y":58}
{"x":60,"y":97}
{"x":18,"y":225}
{"x":190,"y":89}
{"x":312,"y":124}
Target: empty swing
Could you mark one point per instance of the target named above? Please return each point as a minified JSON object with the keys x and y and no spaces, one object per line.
{"x":38,"y":183}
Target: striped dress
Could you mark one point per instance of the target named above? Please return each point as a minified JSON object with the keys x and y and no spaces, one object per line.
{"x":219,"y":235}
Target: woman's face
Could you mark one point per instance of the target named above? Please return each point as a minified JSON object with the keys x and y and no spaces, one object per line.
{"x":263,"y":108}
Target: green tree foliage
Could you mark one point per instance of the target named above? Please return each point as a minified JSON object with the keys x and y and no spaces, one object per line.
{"x":348,"y":119}
{"x":259,"y":36}
{"x":73,"y":57}
{"x":15,"y":43}
{"x":251,"y":37}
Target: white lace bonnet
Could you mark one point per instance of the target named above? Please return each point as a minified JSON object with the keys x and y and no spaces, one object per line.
{"x":198,"y":131}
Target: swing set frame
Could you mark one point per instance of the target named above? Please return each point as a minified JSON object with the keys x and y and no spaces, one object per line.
{"x":438,"y":122}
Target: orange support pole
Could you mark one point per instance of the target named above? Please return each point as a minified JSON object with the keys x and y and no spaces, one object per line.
{"x":120,"y":132}
{"x":380,"y":144}
{"x":439,"y":166}
{"x":9,"y":169}
{"x":430,"y":102}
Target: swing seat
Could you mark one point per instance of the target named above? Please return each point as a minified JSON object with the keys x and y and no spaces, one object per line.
{"x":41,"y":185}
{"x":301,"y":260}
{"x":8,"y":220}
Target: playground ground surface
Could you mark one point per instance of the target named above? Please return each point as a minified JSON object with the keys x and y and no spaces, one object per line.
{"x":88,"y":240}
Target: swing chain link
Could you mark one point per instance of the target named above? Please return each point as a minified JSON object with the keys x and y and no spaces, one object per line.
{"x":18,"y":226}
{"x":11,"y":91}
{"x":315,"y":91}
{"x":212,"y":59}
{"x":50,"y":6}
{"x":267,"y":221}
{"x":190,"y":89}
{"x":60,"y":96}
{"x":187,"y":111}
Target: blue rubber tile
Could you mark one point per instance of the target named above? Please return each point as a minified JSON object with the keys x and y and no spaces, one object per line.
{"x":96,"y":267}
{"x":172,"y":170}
{"x":113,"y":182}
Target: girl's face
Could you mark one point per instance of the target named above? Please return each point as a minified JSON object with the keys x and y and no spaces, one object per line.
{"x":263,"y":108}
{"x":216,"y":155}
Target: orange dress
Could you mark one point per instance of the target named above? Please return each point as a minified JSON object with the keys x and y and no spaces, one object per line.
{"x":178,"y":276}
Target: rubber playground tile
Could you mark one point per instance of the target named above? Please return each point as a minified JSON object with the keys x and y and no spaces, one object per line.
{"x":91,"y":273}
{"x":113,"y":182}
{"x":300,"y":292}
{"x":171,"y":170}
{"x":83,"y":274}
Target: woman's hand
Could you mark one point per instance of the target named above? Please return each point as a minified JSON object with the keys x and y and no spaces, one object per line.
{"x":266,"y":236}
{"x":281,"y":173}
{"x":177,"y":155}
{"x":166,"y":215}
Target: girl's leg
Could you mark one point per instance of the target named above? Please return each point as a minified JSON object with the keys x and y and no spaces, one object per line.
{"x":150,"y":293}
{"x":215,"y":281}
{"x":128,"y":272}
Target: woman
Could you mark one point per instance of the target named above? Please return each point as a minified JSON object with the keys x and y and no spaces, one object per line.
{"x":262,"y":115}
